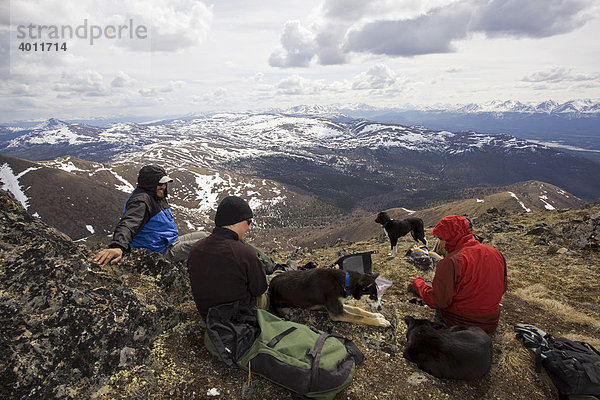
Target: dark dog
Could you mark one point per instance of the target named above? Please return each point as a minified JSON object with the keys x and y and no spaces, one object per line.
{"x":396,"y":228}
{"x":325,"y":288}
{"x":458,"y":352}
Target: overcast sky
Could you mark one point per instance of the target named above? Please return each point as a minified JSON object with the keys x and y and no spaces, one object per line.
{"x":174,"y":57}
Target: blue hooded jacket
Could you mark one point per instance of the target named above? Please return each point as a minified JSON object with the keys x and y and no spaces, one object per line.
{"x":147,"y":221}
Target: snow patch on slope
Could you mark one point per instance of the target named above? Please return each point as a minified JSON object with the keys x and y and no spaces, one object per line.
{"x":10,"y":182}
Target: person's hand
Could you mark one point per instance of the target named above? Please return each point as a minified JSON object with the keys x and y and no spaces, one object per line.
{"x":109,"y":255}
{"x":411,"y":289}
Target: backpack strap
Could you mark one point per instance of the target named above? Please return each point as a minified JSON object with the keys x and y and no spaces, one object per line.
{"x":351,"y":348}
{"x":278,"y":338}
{"x":538,"y":359}
{"x":315,"y":353}
{"x":535,"y":340}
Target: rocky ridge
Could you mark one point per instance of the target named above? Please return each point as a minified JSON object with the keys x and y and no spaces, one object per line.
{"x":66,"y":323}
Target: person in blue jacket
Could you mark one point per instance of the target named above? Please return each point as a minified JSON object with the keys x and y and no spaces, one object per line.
{"x":147,"y":222}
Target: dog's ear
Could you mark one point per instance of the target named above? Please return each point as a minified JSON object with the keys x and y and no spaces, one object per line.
{"x":375,"y":275}
{"x":409,"y":320}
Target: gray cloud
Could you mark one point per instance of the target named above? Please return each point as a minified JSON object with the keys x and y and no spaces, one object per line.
{"x":328,"y":49}
{"x":377,"y":77}
{"x":378,"y":80}
{"x":430,"y":33}
{"x":348,"y":29}
{"x":148,"y":92}
{"x":4,"y":53}
{"x":4,"y":13}
{"x":165,"y":26}
{"x":171,"y":26}
{"x":558,"y":74}
{"x":218,"y":96}
{"x":122,"y":80}
{"x":454,"y":69}
{"x":347,"y":9}
{"x":20,"y":89}
{"x":296,"y":85}
{"x":359,"y":10}
{"x":292,"y":85}
{"x":88,"y":83}
{"x":531,"y":18}
{"x":172,"y":86}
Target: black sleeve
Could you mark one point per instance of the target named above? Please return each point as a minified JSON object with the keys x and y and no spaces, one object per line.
{"x":134,"y":218}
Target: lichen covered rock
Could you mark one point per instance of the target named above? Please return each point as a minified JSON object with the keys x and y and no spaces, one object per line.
{"x":66,"y":323}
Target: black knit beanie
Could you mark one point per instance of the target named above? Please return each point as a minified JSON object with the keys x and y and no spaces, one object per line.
{"x":231,"y":210}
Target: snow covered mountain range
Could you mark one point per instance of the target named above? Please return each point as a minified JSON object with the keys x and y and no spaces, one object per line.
{"x":222,"y":139}
{"x":295,"y":168}
{"x":577,"y":108}
{"x":572,"y":126}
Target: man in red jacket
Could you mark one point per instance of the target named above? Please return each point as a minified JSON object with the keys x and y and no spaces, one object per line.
{"x":469,"y":282}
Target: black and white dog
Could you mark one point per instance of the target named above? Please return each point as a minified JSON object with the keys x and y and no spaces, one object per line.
{"x":458,"y":352}
{"x":325,"y":288}
{"x":396,"y":228}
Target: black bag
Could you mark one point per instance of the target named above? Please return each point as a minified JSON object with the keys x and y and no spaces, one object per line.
{"x":573,"y":366}
{"x":358,"y":262}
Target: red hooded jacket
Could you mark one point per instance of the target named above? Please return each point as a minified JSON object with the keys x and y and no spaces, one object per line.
{"x":469,"y":282}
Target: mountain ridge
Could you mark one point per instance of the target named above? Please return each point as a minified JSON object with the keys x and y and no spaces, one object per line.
{"x":295,"y":170}
{"x":522,"y":197}
{"x":280,"y":147}
{"x":85,"y":200}
{"x":576,"y":107}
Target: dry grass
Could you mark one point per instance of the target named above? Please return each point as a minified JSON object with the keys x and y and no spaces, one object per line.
{"x":515,"y":359}
{"x":541,"y":296}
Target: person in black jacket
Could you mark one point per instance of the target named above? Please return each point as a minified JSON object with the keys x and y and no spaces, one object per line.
{"x":222,"y":267}
{"x":147,"y":222}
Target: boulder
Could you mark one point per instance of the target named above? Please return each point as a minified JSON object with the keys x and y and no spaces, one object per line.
{"x":66,"y":323}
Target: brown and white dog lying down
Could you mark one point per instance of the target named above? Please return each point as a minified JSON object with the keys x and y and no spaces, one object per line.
{"x":325,"y":288}
{"x":457,"y":352}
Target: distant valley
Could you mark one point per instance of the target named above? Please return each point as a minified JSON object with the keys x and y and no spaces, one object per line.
{"x":299,"y":169}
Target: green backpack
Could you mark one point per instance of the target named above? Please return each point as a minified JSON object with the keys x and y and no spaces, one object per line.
{"x":308,"y":362}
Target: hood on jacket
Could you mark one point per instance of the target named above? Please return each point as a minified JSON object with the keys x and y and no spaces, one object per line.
{"x":453,"y":229}
{"x":149,"y":177}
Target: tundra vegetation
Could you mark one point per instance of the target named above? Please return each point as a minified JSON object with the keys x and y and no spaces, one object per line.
{"x":73,"y":329}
